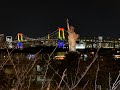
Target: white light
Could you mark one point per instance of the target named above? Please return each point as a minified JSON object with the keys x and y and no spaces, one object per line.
{"x":9,"y":38}
{"x":116,"y":56}
{"x":80,"y":46}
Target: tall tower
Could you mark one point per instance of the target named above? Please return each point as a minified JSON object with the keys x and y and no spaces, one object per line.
{"x":20,"y":40}
{"x":100,"y":38}
{"x":61,"y":37}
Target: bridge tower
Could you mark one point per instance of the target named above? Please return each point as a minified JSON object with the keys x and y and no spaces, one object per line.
{"x":61,"y":31}
{"x":61,"y":38}
{"x":20,"y":40}
{"x":20,"y":37}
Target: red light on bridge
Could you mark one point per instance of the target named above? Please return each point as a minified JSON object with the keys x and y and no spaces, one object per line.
{"x":61,"y":29}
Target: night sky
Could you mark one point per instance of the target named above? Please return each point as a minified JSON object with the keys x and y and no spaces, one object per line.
{"x":90,"y":18}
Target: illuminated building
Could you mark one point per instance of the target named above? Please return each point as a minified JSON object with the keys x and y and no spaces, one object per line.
{"x":20,"y":45}
{"x":20,"y":37}
{"x":20,"y":40}
{"x":9,"y":41}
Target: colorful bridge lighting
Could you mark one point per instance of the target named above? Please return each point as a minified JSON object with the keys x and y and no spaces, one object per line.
{"x":61,"y":35}
{"x":20,"y":45}
{"x":60,"y":43}
{"x":20,"y":40}
{"x":61,"y":38}
{"x":20,"y":37}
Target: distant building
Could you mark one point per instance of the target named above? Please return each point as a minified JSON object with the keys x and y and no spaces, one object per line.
{"x":1,"y":37}
{"x":2,"y":41}
{"x":80,"y":45}
{"x":100,"y":39}
{"x":9,"y":41}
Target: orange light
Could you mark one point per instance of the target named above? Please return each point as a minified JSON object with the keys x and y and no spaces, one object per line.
{"x":59,"y":57}
{"x":61,"y":29}
{"x":116,"y":56}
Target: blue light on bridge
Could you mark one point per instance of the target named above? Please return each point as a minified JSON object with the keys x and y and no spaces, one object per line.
{"x":60,"y":43}
{"x":20,"y":45}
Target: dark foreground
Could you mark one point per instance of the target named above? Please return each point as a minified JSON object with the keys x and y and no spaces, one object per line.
{"x":43,"y":72}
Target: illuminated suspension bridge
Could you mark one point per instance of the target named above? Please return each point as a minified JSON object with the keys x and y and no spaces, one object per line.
{"x":57,"y":38}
